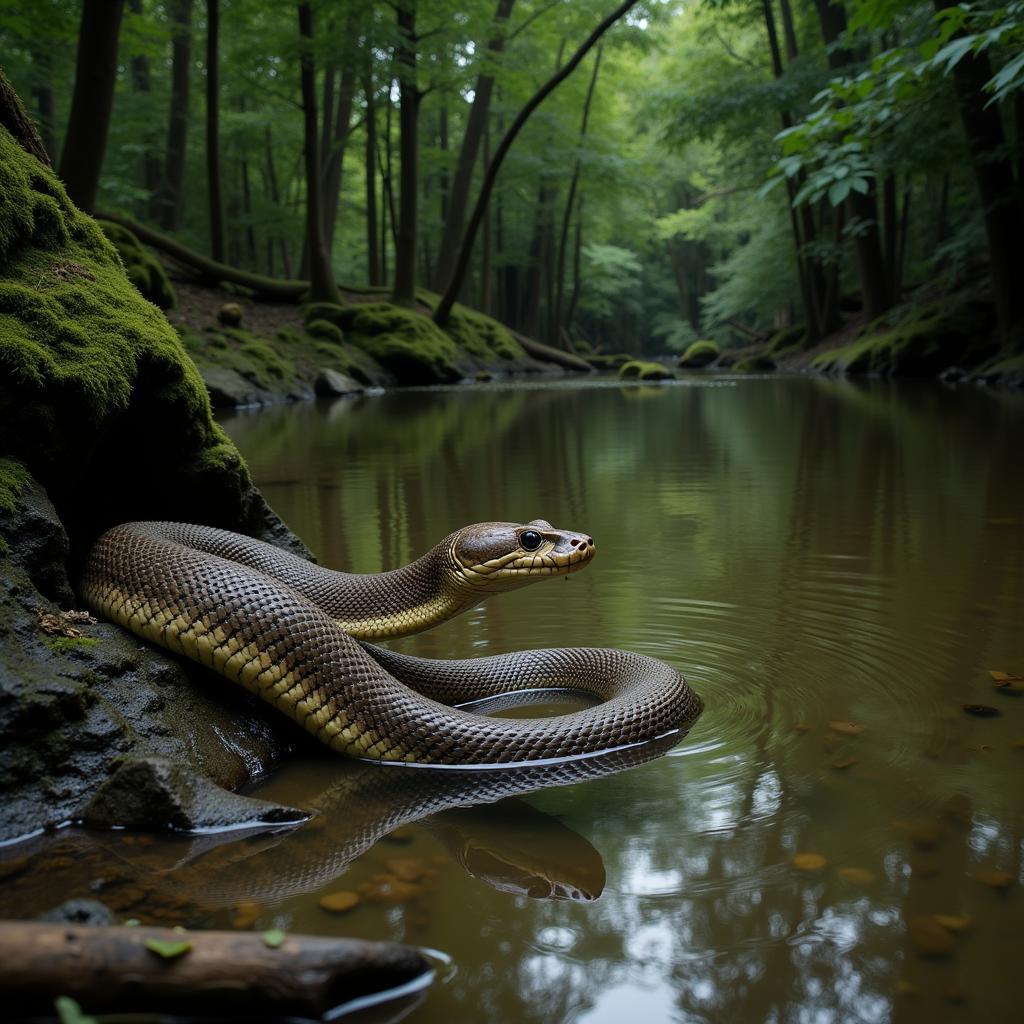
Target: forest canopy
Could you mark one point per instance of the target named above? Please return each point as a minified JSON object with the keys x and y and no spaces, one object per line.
{"x":712,"y":169}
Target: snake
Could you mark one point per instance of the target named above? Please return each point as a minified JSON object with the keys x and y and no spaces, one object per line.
{"x":299,"y":636}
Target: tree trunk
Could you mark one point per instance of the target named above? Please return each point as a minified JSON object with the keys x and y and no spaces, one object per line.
{"x":19,"y":124}
{"x":875,"y":286}
{"x":85,"y":141}
{"x":275,"y":196}
{"x":151,"y":158}
{"x":444,"y":307}
{"x":459,"y":195}
{"x":334,"y":159}
{"x":213,"y":131}
{"x":404,"y":288}
{"x":171,"y":196}
{"x":485,"y":253}
{"x":219,"y":973}
{"x":993,"y":175}
{"x":373,"y":272}
{"x":557,"y":323}
{"x":42,"y":59}
{"x":576,"y":265}
{"x":322,"y":287}
{"x":442,"y":142}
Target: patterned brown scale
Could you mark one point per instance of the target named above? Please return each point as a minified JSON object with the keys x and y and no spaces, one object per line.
{"x":291,"y":632}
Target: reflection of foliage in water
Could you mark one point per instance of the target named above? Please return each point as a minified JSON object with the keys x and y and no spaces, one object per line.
{"x":806,"y":551}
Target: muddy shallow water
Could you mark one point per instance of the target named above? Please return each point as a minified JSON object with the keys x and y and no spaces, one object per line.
{"x":836,"y":568}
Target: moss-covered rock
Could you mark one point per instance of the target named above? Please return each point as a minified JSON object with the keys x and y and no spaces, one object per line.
{"x":637,"y":369}
{"x":483,"y":337}
{"x":406,"y":343}
{"x":608,"y":361}
{"x":332,"y":312}
{"x":230,"y":314}
{"x":144,"y":270}
{"x":325,"y":331}
{"x":788,"y":339}
{"x":759,"y":362}
{"x":698,"y":355}
{"x":919,"y":341}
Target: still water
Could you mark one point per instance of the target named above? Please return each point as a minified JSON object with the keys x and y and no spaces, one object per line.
{"x":836,"y":567}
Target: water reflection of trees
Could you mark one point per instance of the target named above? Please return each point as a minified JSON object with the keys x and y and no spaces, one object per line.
{"x":806,"y":551}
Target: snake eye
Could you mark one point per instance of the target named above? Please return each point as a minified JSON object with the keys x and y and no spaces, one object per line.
{"x":530,"y":540}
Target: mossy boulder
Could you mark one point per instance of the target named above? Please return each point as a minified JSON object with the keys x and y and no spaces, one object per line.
{"x":144,"y":270}
{"x":637,"y":369}
{"x":757,"y":363}
{"x":608,"y":361}
{"x":787,"y":339}
{"x":230,"y":314}
{"x":483,"y":337}
{"x":406,"y":343}
{"x":332,"y":312}
{"x":699,"y":354}
{"x":325,"y":331}
{"x":919,"y":341}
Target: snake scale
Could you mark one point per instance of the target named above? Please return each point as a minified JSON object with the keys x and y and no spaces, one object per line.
{"x":295,"y":634}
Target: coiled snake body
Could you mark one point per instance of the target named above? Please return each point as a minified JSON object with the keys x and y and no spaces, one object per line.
{"x":292,"y":632}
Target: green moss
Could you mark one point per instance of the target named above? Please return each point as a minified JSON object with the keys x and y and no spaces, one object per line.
{"x":409,"y":345}
{"x":14,"y":477}
{"x":144,"y":270}
{"x":605,"y":361}
{"x":699,"y":354}
{"x":70,"y":643}
{"x":483,"y":337}
{"x":786,"y":339}
{"x":329,"y":311}
{"x":917,"y":341}
{"x":637,"y":369}
{"x":758,"y":363}
{"x":326,"y":330}
{"x":95,"y":386}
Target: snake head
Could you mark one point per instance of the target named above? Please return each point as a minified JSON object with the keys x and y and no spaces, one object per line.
{"x":502,"y":556}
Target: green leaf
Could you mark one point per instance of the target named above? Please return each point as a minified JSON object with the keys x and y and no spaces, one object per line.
{"x":273,"y":937}
{"x":70,"y":1012}
{"x":167,"y":949}
{"x":859,"y":185}
{"x":838,"y":191}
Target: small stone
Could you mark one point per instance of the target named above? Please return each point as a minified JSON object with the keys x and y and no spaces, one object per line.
{"x":808,"y":861}
{"x":339,"y":902}
{"x":857,"y":876}
{"x":330,"y":382}
{"x":402,"y":834}
{"x":230,"y":314}
{"x":846,"y":728}
{"x":405,"y":869}
{"x":801,"y":727}
{"x":929,"y":938}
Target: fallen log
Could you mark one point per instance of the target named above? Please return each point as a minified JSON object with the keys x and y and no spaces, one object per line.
{"x":244,"y":974}
{"x":211,"y":270}
{"x":549,"y":354}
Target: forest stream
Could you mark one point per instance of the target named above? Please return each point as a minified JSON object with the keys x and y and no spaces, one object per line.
{"x":835,"y":566}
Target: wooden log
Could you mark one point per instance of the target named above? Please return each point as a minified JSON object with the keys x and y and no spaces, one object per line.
{"x":112,"y":969}
{"x":549,"y":354}
{"x":210,"y":270}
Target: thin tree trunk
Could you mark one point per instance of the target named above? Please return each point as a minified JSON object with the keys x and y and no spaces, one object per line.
{"x":85,"y":141}
{"x":404,"y":289}
{"x":22,"y":128}
{"x":563,"y":240}
{"x":172,"y":191}
{"x":42,"y":58}
{"x":250,"y":231}
{"x":335,"y":158}
{"x":890,"y":225}
{"x":875,"y":286}
{"x":322,"y":287}
{"x":901,"y":246}
{"x":442,"y":141}
{"x":997,"y":189}
{"x":373,"y":271}
{"x":485,"y":254}
{"x":151,"y":158}
{"x":577,"y":261}
{"x":458,"y":197}
{"x":444,"y":307}
{"x":213,"y":131}
{"x":275,"y":196}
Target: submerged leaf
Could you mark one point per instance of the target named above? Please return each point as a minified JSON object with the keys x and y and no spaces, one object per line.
{"x":808,"y":861}
{"x":846,"y":728}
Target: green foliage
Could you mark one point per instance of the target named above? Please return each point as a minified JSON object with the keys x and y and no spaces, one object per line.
{"x":69,"y":1012}
{"x":482,"y":336}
